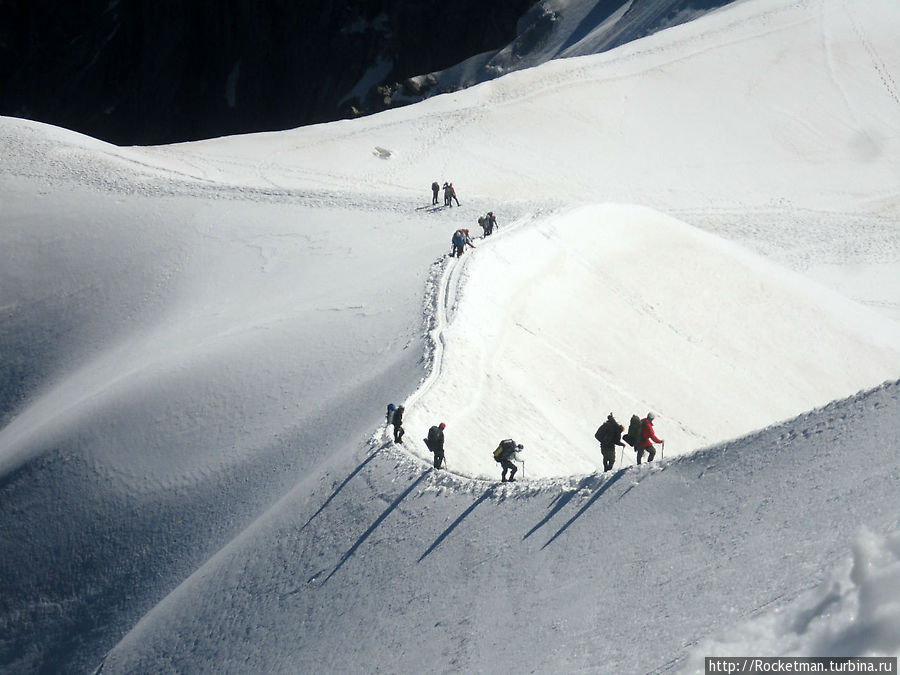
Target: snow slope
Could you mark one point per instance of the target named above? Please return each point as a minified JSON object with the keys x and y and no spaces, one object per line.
{"x":619,"y":573}
{"x":554,"y":29}
{"x":198,"y":343}
{"x":620,"y":308}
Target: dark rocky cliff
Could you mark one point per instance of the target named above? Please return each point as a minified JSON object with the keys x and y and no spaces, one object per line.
{"x":148,"y":72}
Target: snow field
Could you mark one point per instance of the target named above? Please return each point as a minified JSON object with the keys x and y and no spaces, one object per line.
{"x":198,"y":342}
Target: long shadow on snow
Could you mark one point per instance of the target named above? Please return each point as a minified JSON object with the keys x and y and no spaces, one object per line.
{"x":599,"y":14}
{"x":603,"y":488}
{"x":639,"y":21}
{"x":561,"y":501}
{"x":338,"y":489}
{"x":437,"y":542}
{"x":365,"y":535}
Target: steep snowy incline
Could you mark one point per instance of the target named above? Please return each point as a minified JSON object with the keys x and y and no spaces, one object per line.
{"x":390,"y":566}
{"x":176,"y":357}
{"x":623,"y":309}
{"x":564,"y":28}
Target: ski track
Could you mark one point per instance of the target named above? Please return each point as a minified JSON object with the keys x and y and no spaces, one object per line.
{"x":878,"y":64}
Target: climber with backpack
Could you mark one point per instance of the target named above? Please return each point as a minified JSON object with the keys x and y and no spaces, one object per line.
{"x":459,"y":241}
{"x":505,"y":454}
{"x":435,"y":443}
{"x":487,"y":223}
{"x":490,"y":222}
{"x":397,"y":421}
{"x":610,"y":435}
{"x":646,"y":436}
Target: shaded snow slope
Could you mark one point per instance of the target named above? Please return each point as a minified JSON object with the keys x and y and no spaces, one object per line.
{"x":555,"y":29}
{"x":175,"y":360}
{"x":387,"y":563}
{"x":854,"y":610}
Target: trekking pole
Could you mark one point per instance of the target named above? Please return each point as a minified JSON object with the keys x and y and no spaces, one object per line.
{"x":662,"y":450}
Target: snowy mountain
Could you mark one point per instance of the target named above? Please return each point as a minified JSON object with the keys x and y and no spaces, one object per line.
{"x":554,"y":29}
{"x":151,"y":73}
{"x":199,"y":341}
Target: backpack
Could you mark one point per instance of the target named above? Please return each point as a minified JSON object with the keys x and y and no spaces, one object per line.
{"x":633,"y":437}
{"x":390,"y":412}
{"x":434,"y":433}
{"x":605,"y":433}
{"x":503,"y":450}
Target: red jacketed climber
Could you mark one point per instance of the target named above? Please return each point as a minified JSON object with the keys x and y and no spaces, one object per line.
{"x":647,"y":434}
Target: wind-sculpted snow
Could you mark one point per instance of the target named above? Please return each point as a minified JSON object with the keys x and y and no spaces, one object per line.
{"x":855,"y":610}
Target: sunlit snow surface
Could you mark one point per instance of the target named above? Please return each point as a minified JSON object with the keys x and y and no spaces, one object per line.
{"x":198,"y":343}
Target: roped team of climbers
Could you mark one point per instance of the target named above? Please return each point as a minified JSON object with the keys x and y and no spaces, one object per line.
{"x":640,"y":435}
{"x":460,"y":240}
{"x":461,"y":237}
{"x":449,"y":194}
{"x":488,"y":222}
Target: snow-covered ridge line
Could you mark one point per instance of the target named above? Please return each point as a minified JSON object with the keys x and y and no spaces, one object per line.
{"x":553,"y":320}
{"x":443,"y":292}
